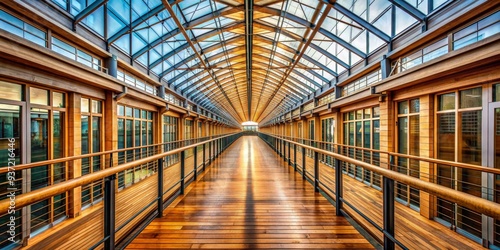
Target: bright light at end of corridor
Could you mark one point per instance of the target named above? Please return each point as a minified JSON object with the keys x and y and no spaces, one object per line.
{"x":249,"y":123}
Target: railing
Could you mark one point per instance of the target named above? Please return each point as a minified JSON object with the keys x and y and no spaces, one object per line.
{"x":124,"y":209}
{"x":361,"y":163}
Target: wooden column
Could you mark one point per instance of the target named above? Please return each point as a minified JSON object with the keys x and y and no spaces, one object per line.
{"x":74,"y":148}
{"x":317,"y":128}
{"x":204,"y":130}
{"x":427,"y":202}
{"x":195,"y":128}
{"x":386,"y":129}
{"x":110,"y":127}
{"x":182,"y":127}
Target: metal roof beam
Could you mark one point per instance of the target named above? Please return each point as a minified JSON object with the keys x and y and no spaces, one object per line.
{"x":87,"y":11}
{"x":184,"y":33}
{"x":342,"y":42}
{"x":410,"y":9}
{"x":367,"y":25}
{"x":329,"y":55}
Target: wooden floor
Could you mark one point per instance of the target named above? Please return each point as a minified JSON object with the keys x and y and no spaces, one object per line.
{"x":249,"y":199}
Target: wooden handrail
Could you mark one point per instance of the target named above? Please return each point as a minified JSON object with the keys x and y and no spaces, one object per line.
{"x":29,"y":198}
{"x":77,"y":157}
{"x":475,"y":203}
{"x":430,"y":160}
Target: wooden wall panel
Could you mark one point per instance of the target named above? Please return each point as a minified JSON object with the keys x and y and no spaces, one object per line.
{"x":131,"y":200}
{"x":76,"y":233}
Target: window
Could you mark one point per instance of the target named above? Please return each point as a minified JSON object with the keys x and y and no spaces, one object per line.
{"x":78,"y":55}
{"x":362,"y":82}
{"x":135,"y":129}
{"x":11,"y":91}
{"x":188,"y":135}
{"x":408,"y":142}
{"x":43,"y":137}
{"x":362,"y":129}
{"x":19,"y":28}
{"x":328,"y":135}
{"x":420,"y":56}
{"x":170,"y":135}
{"x":133,"y":81}
{"x":486,"y":27}
{"x":458,"y":119}
{"x":310,"y":136}
{"x":91,"y":136}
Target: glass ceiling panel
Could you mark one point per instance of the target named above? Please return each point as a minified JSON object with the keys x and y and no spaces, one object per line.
{"x":145,"y":30}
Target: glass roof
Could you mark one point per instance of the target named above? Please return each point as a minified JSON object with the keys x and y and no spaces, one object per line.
{"x":248,"y":60}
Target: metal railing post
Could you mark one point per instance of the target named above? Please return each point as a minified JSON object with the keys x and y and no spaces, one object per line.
{"x":388,"y":211}
{"x":338,"y":187}
{"x":283,"y":147}
{"x":284,"y":151}
{"x":209,"y":152}
{"x":295,"y":157}
{"x":195,"y":159}
{"x":160,"y":187}
{"x":204,"y":157}
{"x":289,"y":155}
{"x":316,"y":171}
{"x":109,"y":212}
{"x":183,"y":165}
{"x":303,"y":163}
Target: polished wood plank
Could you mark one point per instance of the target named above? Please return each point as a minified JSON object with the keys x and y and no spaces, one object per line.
{"x":249,"y":199}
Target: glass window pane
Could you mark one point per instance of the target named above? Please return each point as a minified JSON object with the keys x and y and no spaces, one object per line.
{"x":128,"y":131}
{"x":366,"y":134}
{"x":446,"y":136}
{"x":58,"y":145}
{"x":11,"y":91}
{"x":10,"y":127}
{"x":96,"y":107}
{"x":85,"y":105}
{"x":403,"y":135}
{"x":414,"y":106}
{"x":128,"y":111}
{"x":403,"y":107}
{"x":376,"y":112}
{"x":39,"y":146}
{"x":368,"y":113}
{"x":39,"y":96}
{"x":471,"y":98}
{"x":376,"y":134}
{"x":121,"y":110}
{"x":137,"y":128}
{"x":137,"y":113}
{"x":85,"y":143}
{"x":58,"y":100}
{"x":446,"y":102}
{"x":359,"y":114}
{"x":470,"y":141}
{"x":496,"y":92}
{"x":358,"y":134}
{"x":96,"y":134}
{"x":414,"y":144}
{"x":121,"y":133}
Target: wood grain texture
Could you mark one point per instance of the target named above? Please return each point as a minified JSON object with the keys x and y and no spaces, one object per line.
{"x":249,"y":199}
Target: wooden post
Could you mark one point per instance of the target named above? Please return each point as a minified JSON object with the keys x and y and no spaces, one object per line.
{"x":74,"y":148}
{"x":427,"y":202}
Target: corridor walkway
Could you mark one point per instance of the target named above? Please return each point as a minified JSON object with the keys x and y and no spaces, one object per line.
{"x":249,"y":199}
